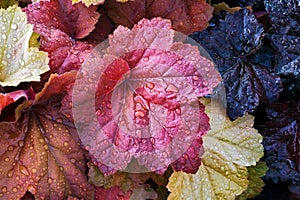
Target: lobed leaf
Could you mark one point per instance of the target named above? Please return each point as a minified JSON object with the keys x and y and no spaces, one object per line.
{"x":228,"y":148}
{"x":18,"y":62}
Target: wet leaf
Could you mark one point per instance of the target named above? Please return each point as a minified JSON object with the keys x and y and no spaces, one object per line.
{"x":18,"y":62}
{"x":228,"y":148}
{"x":41,"y":151}
{"x":187,"y":16}
{"x":242,"y":59}
{"x":155,"y":85}
{"x":282,"y":143}
{"x":58,"y":22}
{"x":256,"y":184}
{"x":285,"y":35}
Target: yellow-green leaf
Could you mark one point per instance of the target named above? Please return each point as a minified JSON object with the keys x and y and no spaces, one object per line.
{"x":89,"y":2}
{"x":256,"y":184}
{"x":18,"y":62}
{"x":229,"y":147}
{"x":7,"y":3}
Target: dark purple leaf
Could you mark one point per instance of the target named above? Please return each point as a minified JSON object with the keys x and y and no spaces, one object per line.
{"x":235,"y":42}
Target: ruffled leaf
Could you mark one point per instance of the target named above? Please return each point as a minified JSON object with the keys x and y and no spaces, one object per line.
{"x":143,"y":77}
{"x":282,"y":143}
{"x":18,"y":62}
{"x":41,"y":151}
{"x":58,"y":22}
{"x":187,"y":16}
{"x":228,"y":148}
{"x":243,"y":61}
{"x":285,"y":35}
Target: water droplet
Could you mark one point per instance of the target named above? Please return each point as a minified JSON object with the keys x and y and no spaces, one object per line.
{"x":179,"y":62}
{"x":34,"y":170}
{"x":66,"y":144}
{"x":4,"y":189}
{"x":146,"y":59}
{"x":10,"y":173}
{"x":171,"y":88}
{"x":7,"y":159}
{"x":14,"y":26}
{"x":139,"y":114}
{"x":21,"y":143}
{"x":24,"y":170}
{"x":15,"y":189}
{"x":150,"y":85}
{"x":195,"y":78}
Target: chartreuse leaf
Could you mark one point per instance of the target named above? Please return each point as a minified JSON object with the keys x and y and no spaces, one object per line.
{"x":18,"y":62}
{"x":255,"y":182}
{"x":89,"y":2}
{"x":7,"y":3}
{"x":228,"y":148}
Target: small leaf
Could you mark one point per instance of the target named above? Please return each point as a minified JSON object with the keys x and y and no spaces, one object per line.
{"x":18,"y":62}
{"x":256,"y":184}
{"x":89,"y":2}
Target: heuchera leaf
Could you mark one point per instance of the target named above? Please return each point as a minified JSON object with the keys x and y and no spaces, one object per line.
{"x":18,"y":62}
{"x":282,"y":143}
{"x":187,"y":16}
{"x":41,"y":152}
{"x":228,"y":148}
{"x":58,"y":22}
{"x":9,"y":98}
{"x":235,"y":43}
{"x":148,"y":82}
{"x":114,"y":193}
{"x":256,"y":184}
{"x":285,"y":35}
{"x":89,"y":2}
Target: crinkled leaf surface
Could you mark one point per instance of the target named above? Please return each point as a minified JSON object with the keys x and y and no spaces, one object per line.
{"x":256,"y":184}
{"x":285,"y":35}
{"x":139,"y":97}
{"x":187,"y":16}
{"x":228,"y":148}
{"x":235,"y":43}
{"x":282,"y":143}
{"x":18,"y":62}
{"x":41,"y":152}
{"x":114,"y":193}
{"x":58,"y":22}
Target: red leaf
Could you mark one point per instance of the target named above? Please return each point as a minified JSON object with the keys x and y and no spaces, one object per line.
{"x":9,"y":98}
{"x":41,"y":152}
{"x":187,"y":16}
{"x":59,"y":22}
{"x":146,"y":104}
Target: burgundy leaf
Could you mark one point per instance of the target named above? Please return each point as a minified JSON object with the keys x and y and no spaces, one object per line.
{"x":187,"y":16}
